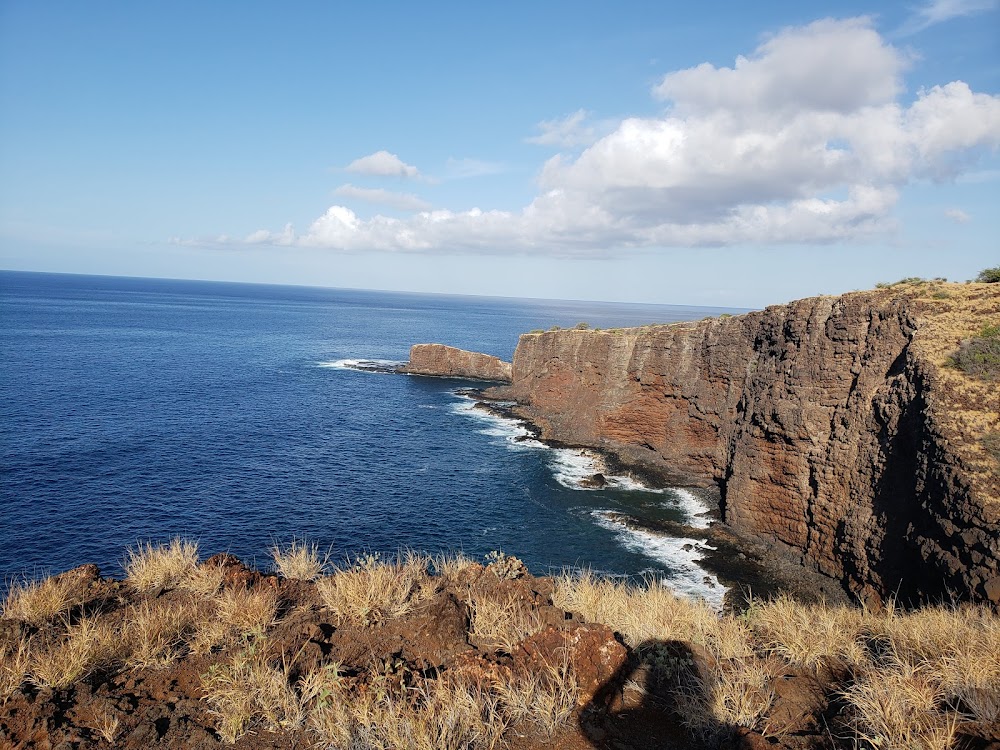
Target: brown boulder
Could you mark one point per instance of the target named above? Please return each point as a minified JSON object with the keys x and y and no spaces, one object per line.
{"x":590,"y":651}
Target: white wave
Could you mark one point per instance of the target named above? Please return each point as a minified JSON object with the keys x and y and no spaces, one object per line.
{"x":695,"y":509}
{"x":678,"y":554}
{"x":364,"y":365}
{"x":511,"y":431}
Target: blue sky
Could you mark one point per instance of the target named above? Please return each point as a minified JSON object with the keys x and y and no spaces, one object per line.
{"x":699,"y":153}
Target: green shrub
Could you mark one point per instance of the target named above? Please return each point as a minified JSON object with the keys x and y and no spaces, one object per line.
{"x":991,"y":442}
{"x":582,"y":326}
{"x":989,"y":275}
{"x":555,"y":328}
{"x":980,"y":355}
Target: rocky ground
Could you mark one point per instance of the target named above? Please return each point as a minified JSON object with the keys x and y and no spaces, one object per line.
{"x":386,"y":654}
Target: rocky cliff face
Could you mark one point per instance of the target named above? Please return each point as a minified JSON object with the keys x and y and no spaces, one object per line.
{"x":831,"y":427}
{"x":449,"y":362}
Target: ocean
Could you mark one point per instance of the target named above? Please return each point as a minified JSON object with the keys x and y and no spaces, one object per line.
{"x":141,"y":409}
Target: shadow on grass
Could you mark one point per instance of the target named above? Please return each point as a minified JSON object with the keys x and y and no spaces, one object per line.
{"x":638,"y":707}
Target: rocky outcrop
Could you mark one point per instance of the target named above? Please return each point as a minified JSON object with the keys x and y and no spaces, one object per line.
{"x":448,"y":362}
{"x":830,"y":426}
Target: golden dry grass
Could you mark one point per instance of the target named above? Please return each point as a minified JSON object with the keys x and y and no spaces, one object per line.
{"x":639,"y":613}
{"x":86,"y":646}
{"x":371,"y":591}
{"x":205,"y":580}
{"x":156,"y":632}
{"x":238,"y":612}
{"x":42,"y":600}
{"x":300,"y":560}
{"x":544,"y":700}
{"x":14,"y":660}
{"x":252,"y":690}
{"x":152,"y":567}
{"x":501,"y":621}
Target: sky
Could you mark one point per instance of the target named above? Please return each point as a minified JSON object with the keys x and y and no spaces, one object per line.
{"x":724,"y":154}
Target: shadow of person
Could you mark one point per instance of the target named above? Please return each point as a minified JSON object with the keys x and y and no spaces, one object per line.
{"x":661,"y":697}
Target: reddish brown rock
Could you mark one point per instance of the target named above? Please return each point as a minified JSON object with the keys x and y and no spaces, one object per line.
{"x":447,"y":361}
{"x":829,"y":426}
{"x":589,"y":650}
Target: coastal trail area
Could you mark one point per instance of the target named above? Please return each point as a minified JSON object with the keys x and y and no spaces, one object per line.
{"x":447,"y":652}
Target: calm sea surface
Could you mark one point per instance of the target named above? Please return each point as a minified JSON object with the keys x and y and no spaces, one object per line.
{"x":140,"y":409}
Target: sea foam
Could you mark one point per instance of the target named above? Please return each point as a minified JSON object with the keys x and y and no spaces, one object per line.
{"x":680,"y":555}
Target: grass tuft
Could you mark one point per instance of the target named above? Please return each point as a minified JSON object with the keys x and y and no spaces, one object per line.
{"x":371,"y":591}
{"x":39,"y":601}
{"x":157,"y":567}
{"x":300,"y":560}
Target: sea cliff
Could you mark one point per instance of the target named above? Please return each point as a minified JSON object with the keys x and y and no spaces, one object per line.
{"x":447,"y":361}
{"x":832,"y":427}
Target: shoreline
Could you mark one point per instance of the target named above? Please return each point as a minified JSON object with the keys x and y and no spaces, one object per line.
{"x":747,"y":568}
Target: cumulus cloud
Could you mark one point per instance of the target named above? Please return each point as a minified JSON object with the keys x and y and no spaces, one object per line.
{"x":381,"y":197}
{"x":382,"y":164}
{"x":957,"y":215}
{"x":804,"y":140}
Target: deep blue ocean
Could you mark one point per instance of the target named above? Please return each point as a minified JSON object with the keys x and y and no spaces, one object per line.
{"x":141,"y":409}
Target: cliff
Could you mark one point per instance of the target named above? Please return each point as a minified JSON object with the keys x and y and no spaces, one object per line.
{"x":831,"y":426}
{"x":447,"y":361}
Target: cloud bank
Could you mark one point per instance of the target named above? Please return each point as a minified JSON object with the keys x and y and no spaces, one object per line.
{"x":805,"y":140}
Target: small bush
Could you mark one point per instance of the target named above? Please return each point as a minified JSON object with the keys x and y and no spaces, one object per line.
{"x":980,"y":355}
{"x":989,"y":275}
{"x":991,"y":442}
{"x":582,"y":326}
{"x":555,"y":328}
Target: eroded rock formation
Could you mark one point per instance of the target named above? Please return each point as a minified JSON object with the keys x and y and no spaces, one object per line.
{"x":831,"y":426}
{"x":447,"y":361}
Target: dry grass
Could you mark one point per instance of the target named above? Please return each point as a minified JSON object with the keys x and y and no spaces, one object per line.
{"x":813,"y":637}
{"x":639,"y":613}
{"x":205,"y":580}
{"x":86,"y":647}
{"x":544,"y":700}
{"x":735,"y":693}
{"x":452,"y":566}
{"x":239,"y":612}
{"x":899,"y":708}
{"x":381,"y":714}
{"x":107,"y":724}
{"x":156,"y":633}
{"x":15,"y":658}
{"x":252,"y":690}
{"x":371,"y":591}
{"x":501,"y":621}
{"x":162,"y":566}
{"x":40,"y":601}
{"x":300,"y":560}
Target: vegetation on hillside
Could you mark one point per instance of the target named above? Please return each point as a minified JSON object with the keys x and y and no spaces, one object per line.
{"x":886,"y":678}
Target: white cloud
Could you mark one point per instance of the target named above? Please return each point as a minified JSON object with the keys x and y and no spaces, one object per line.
{"x":381,"y":197}
{"x":382,"y":164}
{"x":805,"y":140}
{"x":939,"y":11}
{"x":957,"y":215}
{"x":570,"y":131}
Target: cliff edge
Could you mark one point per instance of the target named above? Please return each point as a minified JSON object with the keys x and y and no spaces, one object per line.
{"x":832,"y":427}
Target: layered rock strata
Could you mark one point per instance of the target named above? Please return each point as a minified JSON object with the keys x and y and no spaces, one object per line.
{"x":831,"y":426}
{"x":447,"y":361}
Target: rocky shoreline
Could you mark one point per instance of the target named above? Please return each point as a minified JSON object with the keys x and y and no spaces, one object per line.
{"x":832,"y":429}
